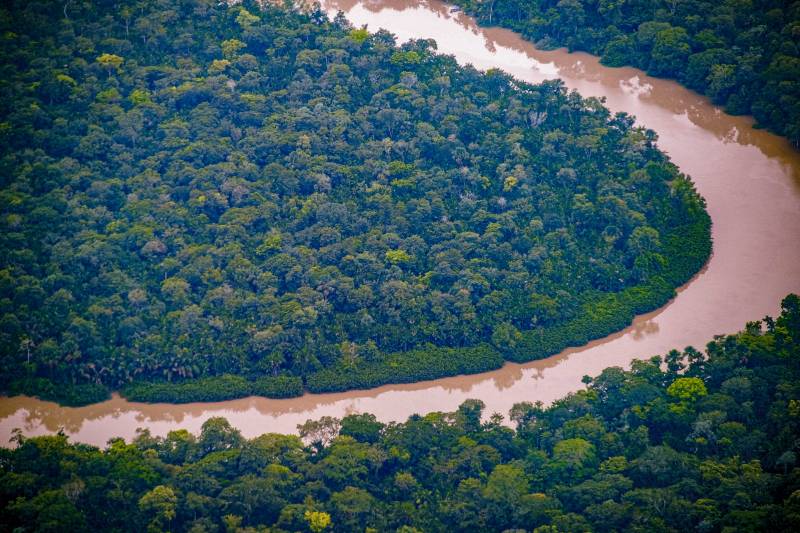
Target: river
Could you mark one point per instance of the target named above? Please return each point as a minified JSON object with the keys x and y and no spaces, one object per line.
{"x":750,"y":179}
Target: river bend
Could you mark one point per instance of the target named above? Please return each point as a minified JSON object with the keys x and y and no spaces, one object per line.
{"x":750,"y":179}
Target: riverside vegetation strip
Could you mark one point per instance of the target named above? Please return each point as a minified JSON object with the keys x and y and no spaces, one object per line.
{"x":689,"y":442}
{"x":203,"y":202}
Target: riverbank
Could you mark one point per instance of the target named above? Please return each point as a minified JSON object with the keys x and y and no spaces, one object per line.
{"x":746,"y":65}
{"x":686,"y":442}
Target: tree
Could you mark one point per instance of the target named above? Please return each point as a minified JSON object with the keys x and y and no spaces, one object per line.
{"x":231,"y":47}
{"x":160,"y":502}
{"x":397,"y":256}
{"x":110,"y":62}
{"x":353,"y":508}
{"x":245,"y":19}
{"x":469,"y":415}
{"x":505,"y":489}
{"x":573,"y":458}
{"x":317,"y":520}
{"x":319,"y":433}
{"x":50,"y":510}
{"x":216,"y":435}
{"x":687,"y":389}
{"x":362,"y":427}
{"x":671,"y":50}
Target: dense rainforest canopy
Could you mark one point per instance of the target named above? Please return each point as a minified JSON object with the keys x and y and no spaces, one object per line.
{"x":744,"y":54}
{"x":692,"y":442}
{"x":270,"y":201}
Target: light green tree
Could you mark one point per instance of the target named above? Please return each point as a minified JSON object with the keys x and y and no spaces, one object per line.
{"x":397,"y":256}
{"x":245,"y":19}
{"x":231,"y":47}
{"x":317,"y":520}
{"x":687,"y":389}
{"x":110,"y":62}
{"x":161,"y":502}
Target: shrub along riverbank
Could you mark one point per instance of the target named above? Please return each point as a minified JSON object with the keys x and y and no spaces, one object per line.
{"x":72,"y":395}
{"x":605,"y":314}
{"x":214,"y":389}
{"x":429,"y":362}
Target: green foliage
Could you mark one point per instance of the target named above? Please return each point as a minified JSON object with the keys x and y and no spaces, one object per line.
{"x":318,"y":521}
{"x":245,"y":19}
{"x":612,"y":457}
{"x":687,"y":389}
{"x":110,"y":61}
{"x":744,"y":55}
{"x":160,"y":502}
{"x":207,"y":201}
{"x":139,"y":97}
{"x":406,"y":367}
{"x":212,"y":389}
{"x":359,"y":35}
{"x":278,"y":386}
{"x":231,"y":47}
{"x":63,"y":393}
{"x":397,"y":256}
{"x":405,"y":58}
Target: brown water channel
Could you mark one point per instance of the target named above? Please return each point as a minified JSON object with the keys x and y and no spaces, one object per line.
{"x":750,"y":179}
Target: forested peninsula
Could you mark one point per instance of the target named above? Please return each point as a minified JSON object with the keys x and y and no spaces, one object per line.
{"x":201,"y":201}
{"x":692,"y":441}
{"x":743,"y":54}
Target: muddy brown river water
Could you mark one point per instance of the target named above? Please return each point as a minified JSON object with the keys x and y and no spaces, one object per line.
{"x":750,"y":179}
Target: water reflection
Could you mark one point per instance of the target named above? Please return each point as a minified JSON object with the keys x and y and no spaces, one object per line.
{"x":645,"y":328}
